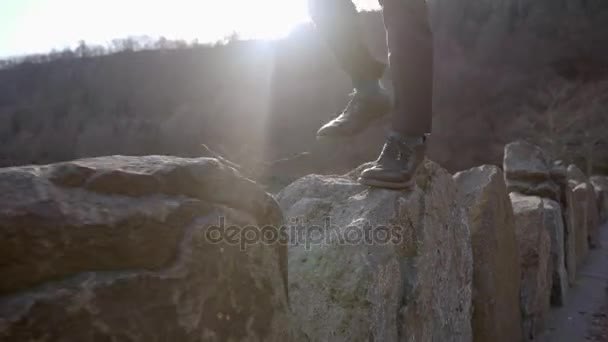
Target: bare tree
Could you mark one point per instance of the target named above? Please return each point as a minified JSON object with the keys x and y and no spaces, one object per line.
{"x":570,"y":120}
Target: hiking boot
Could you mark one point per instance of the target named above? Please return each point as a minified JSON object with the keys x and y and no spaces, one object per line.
{"x":397,"y":163}
{"x":362,"y":109}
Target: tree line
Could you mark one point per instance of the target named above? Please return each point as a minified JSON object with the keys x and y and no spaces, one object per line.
{"x":129,"y":44}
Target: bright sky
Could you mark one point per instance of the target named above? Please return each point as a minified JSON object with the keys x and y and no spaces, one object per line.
{"x":32,"y":26}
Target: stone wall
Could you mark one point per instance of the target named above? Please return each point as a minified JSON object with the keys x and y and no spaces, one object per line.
{"x":496,"y":266}
{"x":157,"y":248}
{"x":600,"y":185}
{"x":557,"y":221}
{"x":415,"y":286}
{"x":116,"y":248}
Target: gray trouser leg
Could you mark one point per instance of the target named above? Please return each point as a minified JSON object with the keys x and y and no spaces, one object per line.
{"x":338,"y":22}
{"x":410,"y":43}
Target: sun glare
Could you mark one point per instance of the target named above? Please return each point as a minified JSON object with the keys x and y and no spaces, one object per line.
{"x":269,"y":18}
{"x":41,"y":25}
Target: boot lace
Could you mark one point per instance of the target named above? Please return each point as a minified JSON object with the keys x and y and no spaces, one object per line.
{"x":396,"y":148}
{"x":390,"y":151}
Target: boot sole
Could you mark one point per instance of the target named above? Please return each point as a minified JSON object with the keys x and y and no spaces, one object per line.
{"x":386,"y":185}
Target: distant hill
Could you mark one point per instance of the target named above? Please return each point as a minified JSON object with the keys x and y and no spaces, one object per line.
{"x":502,"y":73}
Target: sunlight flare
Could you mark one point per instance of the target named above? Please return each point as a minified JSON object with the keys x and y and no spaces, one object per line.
{"x":42,"y":25}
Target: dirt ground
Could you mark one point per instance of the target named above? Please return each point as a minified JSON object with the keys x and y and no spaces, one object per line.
{"x":599,"y":325}
{"x":584,"y":317}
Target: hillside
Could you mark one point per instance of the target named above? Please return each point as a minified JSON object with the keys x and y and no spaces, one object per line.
{"x":505,"y":70}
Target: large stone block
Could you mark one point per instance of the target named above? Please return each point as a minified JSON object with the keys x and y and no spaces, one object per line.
{"x":600,"y":185}
{"x":587,"y":206}
{"x":570,"y":226}
{"x":496,"y":307}
{"x":591,"y":216}
{"x":559,"y":174}
{"x":116,"y":248}
{"x":579,"y":218}
{"x":555,"y":225}
{"x":528,"y":170}
{"x":589,"y":202}
{"x":576,"y":175}
{"x":380,"y":265}
{"x":534,"y":244}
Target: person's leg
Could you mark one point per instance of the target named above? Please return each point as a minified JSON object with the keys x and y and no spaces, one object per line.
{"x":338,"y":23}
{"x":410,"y":44}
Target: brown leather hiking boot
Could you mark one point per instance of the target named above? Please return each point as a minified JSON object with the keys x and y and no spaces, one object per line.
{"x":397,"y":163}
{"x":359,"y":113}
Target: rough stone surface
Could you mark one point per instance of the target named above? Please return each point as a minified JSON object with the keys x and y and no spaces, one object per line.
{"x":528,"y":170}
{"x":600,"y":185}
{"x":579,"y":218}
{"x":593,"y":217}
{"x":559,"y":174}
{"x":417,"y":287}
{"x":555,"y":224}
{"x":115,"y":248}
{"x":569,"y":233}
{"x":534,"y":244}
{"x":589,"y":207}
{"x":559,"y":171}
{"x":496,"y":307}
{"x":576,"y":175}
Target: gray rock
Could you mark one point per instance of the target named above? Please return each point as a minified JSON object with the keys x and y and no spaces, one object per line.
{"x":600,"y":185}
{"x":496,"y":307}
{"x":576,"y":175}
{"x":534,"y":244}
{"x":415,"y":286}
{"x":577,"y":179}
{"x":116,"y":248}
{"x":528,"y":170}
{"x":590,"y":211}
{"x":569,"y":215}
{"x":593,"y":217}
{"x":555,"y":224}
{"x":524,"y":160}
{"x":559,"y":174}
{"x":579,"y":218}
